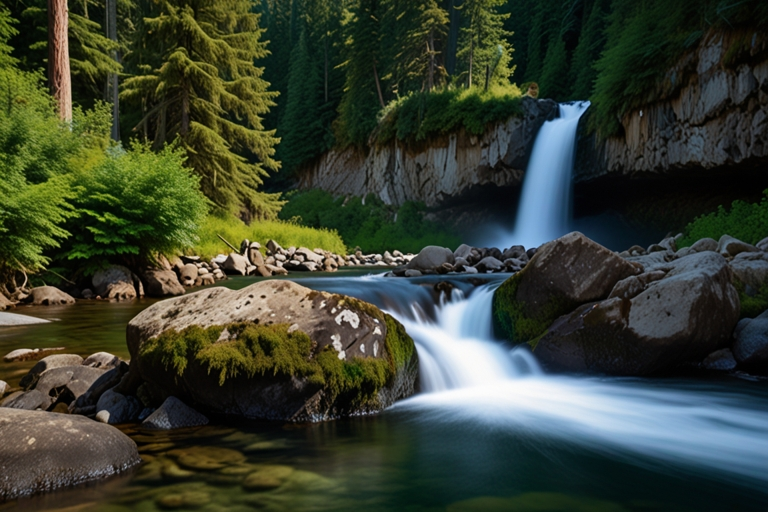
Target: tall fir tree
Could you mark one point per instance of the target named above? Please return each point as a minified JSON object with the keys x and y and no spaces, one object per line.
{"x":590,"y":46}
{"x":484,"y":45}
{"x":210,"y":96}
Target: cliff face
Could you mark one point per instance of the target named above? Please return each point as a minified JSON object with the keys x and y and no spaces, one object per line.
{"x":437,"y":170}
{"x":717,"y":120}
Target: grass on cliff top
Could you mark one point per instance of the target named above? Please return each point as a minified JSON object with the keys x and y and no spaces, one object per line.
{"x":423,"y":114}
{"x":285,"y":233}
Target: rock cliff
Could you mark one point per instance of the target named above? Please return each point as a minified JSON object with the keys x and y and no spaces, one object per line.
{"x":437,"y":170}
{"x":713,"y":116}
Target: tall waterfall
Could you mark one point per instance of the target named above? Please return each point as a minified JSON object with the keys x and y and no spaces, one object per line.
{"x":545,"y":202}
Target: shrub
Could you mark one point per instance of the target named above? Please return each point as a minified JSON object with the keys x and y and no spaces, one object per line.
{"x":283,"y":232}
{"x":133,"y":205}
{"x":746,"y":221}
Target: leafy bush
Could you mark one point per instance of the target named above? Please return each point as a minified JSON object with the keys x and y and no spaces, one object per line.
{"x":133,"y":205}
{"x":285,"y":233}
{"x":746,"y":221}
{"x":370,"y":224}
{"x":423,"y":114}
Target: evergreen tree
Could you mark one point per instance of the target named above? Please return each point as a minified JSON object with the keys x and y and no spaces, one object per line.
{"x":554,"y":74}
{"x":484,"y":46}
{"x":209,"y":94}
{"x":588,"y":50}
{"x":7,"y":30}
{"x":420,"y":54}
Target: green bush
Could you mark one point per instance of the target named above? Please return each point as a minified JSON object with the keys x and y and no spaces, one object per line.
{"x":285,"y":233}
{"x":370,"y":224}
{"x":133,"y":205}
{"x":746,"y":221}
{"x":423,"y":114}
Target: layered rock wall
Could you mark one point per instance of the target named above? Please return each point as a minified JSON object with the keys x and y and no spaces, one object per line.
{"x":437,"y":170}
{"x":715,"y":119}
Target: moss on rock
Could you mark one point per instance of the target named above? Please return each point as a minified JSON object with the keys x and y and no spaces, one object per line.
{"x":754,"y":302}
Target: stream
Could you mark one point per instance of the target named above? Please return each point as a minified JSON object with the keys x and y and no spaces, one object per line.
{"x":489,"y":431}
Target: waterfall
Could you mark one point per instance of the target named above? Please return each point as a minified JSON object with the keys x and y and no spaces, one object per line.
{"x":545,"y":202}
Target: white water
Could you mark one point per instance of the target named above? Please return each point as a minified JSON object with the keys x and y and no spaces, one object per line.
{"x":467,"y":377}
{"x":545,"y":201}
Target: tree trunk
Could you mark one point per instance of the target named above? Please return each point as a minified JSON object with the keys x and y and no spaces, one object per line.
{"x":113,"y":78}
{"x":471,"y":59}
{"x":184,"y":129}
{"x":325,"y":53}
{"x":378,"y":85}
{"x":59,"y":78}
{"x":431,"y":50}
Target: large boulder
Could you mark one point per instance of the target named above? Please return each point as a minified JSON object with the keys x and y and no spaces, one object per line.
{"x":562,"y":275}
{"x":751,"y":345}
{"x":49,"y":363}
{"x":431,"y":258}
{"x":117,"y":283}
{"x":751,"y":269}
{"x":273,"y":350}
{"x":174,"y":414}
{"x":683,"y":317}
{"x":162,"y":283}
{"x":67,"y":383}
{"x":48,"y":296}
{"x":44,"y":451}
{"x":236,"y":264}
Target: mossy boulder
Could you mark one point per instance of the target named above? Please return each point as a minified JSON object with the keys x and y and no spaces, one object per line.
{"x":562,"y":275}
{"x":273,"y":350}
{"x":680,"y":318}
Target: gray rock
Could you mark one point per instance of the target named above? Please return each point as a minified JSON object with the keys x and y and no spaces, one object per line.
{"x":751,"y":345}
{"x":48,"y":296}
{"x":634,"y":285}
{"x":174,"y":413}
{"x":412,"y":273}
{"x":310,"y":255}
{"x":162,"y":283}
{"x":43,"y":451}
{"x":515,"y":252}
{"x":67,"y":383}
{"x":87,"y":294}
{"x":431,"y":257}
{"x":751,"y":268}
{"x":669,"y":244}
{"x":470,"y":270}
{"x":685,"y":251}
{"x":705,"y":244}
{"x":102,"y":360}
{"x":683,"y":317}
{"x":720,"y":360}
{"x":347,"y":328}
{"x":277,"y":271}
{"x":28,"y":401}
{"x":8,"y":319}
{"x":117,"y":283}
{"x":762,"y":244}
{"x":29,"y":354}
{"x":729,"y":246}
{"x":115,"y":408}
{"x":236,"y":264}
{"x":274,"y":247}
{"x":489,"y":263}
{"x":463,"y":251}
{"x":49,"y":363}
{"x":86,"y":403}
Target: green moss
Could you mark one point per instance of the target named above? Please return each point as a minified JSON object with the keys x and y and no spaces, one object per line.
{"x":271,"y":350}
{"x":752,"y":304}
{"x":520,"y":322}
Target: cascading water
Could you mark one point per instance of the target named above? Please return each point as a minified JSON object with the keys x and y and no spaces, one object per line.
{"x":545,"y":201}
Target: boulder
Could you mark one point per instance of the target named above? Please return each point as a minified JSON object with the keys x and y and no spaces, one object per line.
{"x":705,"y":244}
{"x":188,"y":274}
{"x":44,"y":451}
{"x":115,"y":408}
{"x":48,"y":363}
{"x":174,"y":413}
{"x":681,"y":318}
{"x":762,"y":244}
{"x":720,"y":360}
{"x":102,"y":360}
{"x":117,"y":283}
{"x":309,"y":255}
{"x":162,"y":283}
{"x":562,"y":275}
{"x":67,"y":383}
{"x":489,"y":263}
{"x":431,"y":257}
{"x":86,"y":403}
{"x":751,"y":268}
{"x":29,"y":354}
{"x":236,"y":264}
{"x":515,"y":252}
{"x":27,"y":400}
{"x":462,"y":251}
{"x":412,"y":273}
{"x":8,"y":319}
{"x":274,"y":247}
{"x":255,"y":256}
{"x":729,"y":246}
{"x":273,"y":350}
{"x":751,"y":343}
{"x":48,"y":296}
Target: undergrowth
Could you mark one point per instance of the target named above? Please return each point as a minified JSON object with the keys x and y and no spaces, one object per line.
{"x":746,"y":221}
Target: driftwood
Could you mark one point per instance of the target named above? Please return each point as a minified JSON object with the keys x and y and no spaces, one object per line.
{"x":229,"y":244}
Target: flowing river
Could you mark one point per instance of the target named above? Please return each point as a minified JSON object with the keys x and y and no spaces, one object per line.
{"x":489,"y":431}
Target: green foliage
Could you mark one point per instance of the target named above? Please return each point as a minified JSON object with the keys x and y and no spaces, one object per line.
{"x":369,"y":224}
{"x":133,"y":205}
{"x":483,"y":44}
{"x":253,"y":350}
{"x":208,"y":93}
{"x":746,"y":221}
{"x":421,"y":115}
{"x":7,"y":30}
{"x":285,"y":233}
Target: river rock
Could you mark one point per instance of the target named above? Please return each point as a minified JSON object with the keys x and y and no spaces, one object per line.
{"x":117,"y":283}
{"x":174,"y":413}
{"x":705,"y":244}
{"x":683,"y":317}
{"x":3,"y":388}
{"x":49,"y":363}
{"x":44,"y":451}
{"x":751,"y":268}
{"x":309,"y":255}
{"x":327,"y":331}
{"x":729,"y":246}
{"x":28,"y":401}
{"x":29,"y":354}
{"x":762,"y":244}
{"x":188,"y":274}
{"x":115,"y":408}
{"x":720,"y":360}
{"x":236,"y":264}
{"x":9,"y":319}
{"x":102,"y":360}
{"x":67,"y":383}
{"x":48,"y":296}
{"x":86,"y":403}
{"x":751,"y":344}
{"x":430,"y":258}
{"x":462,"y":251}
{"x":489,"y":263}
{"x":162,"y":283}
{"x":562,"y":275}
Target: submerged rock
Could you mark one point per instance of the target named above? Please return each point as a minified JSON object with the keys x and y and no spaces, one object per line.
{"x":45,"y":451}
{"x":720,"y":360}
{"x":683,"y":317}
{"x":29,"y":354}
{"x":562,"y":275}
{"x":273,"y":350}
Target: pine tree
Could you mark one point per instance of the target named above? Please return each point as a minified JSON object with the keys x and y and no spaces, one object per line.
{"x":591,"y":44}
{"x":484,"y":46}
{"x":419,"y":57}
{"x":59,"y":79}
{"x":209,"y":95}
{"x":7,"y":31}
